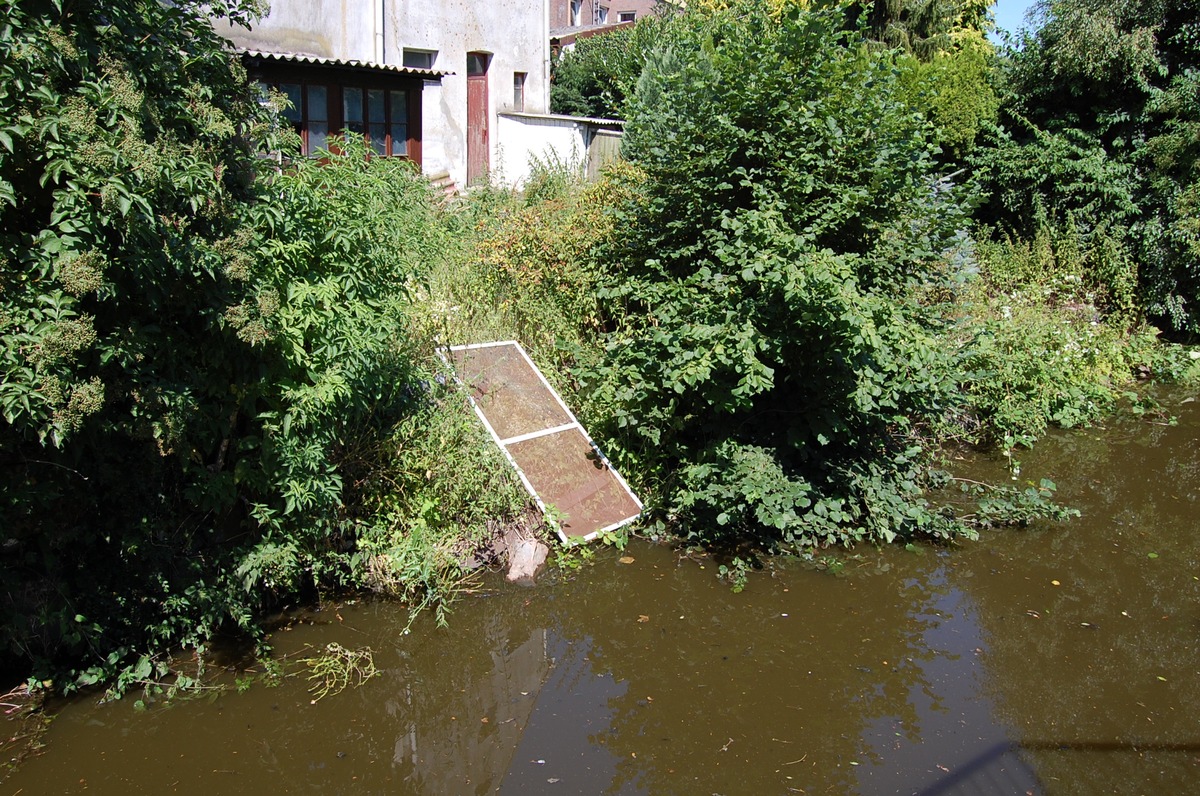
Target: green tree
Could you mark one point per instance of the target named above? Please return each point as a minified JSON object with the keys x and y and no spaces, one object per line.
{"x":200,"y":353}
{"x":1100,"y":121}
{"x":770,"y":365}
{"x":945,"y":59}
{"x":922,"y":27}
{"x":599,"y":73}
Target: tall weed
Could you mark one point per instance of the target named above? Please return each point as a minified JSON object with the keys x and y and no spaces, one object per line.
{"x":1048,"y":335}
{"x":524,"y":266}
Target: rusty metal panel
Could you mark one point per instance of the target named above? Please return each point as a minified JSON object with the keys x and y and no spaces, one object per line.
{"x":557,"y":461}
{"x":508,"y":390}
{"x":567,"y":471}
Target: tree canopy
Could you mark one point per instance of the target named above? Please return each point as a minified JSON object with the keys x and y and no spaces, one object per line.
{"x":1100,"y":121}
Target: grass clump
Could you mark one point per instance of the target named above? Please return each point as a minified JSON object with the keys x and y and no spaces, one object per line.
{"x":442,"y":492}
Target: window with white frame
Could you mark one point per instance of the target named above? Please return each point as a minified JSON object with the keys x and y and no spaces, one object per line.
{"x":519,"y":90}
{"x":419,"y":59}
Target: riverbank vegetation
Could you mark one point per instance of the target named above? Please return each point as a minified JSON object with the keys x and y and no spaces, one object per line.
{"x":844,"y":238}
{"x":806,"y":307}
{"x":219,"y":395}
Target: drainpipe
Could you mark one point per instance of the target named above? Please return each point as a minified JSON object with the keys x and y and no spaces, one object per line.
{"x":379,"y":21}
{"x":545,"y":56}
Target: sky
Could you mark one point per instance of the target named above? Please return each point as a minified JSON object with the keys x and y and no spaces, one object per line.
{"x":1010,"y":14}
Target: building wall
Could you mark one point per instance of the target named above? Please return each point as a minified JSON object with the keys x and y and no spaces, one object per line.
{"x":582,"y":145}
{"x":328,"y":28}
{"x":550,"y":139}
{"x":514,"y":32}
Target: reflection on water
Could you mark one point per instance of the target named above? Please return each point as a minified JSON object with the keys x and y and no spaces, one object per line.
{"x":1093,"y":630}
{"x":1055,"y":660}
{"x":562,"y":749}
{"x":450,"y":754}
{"x":956,"y":744}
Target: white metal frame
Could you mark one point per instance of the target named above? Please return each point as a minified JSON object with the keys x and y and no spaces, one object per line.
{"x":574,"y":424}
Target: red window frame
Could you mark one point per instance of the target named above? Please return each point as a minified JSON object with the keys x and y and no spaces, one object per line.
{"x":385,"y":109}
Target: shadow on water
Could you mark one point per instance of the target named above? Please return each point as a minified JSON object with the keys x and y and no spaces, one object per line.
{"x":1055,"y":660}
{"x":1000,"y":769}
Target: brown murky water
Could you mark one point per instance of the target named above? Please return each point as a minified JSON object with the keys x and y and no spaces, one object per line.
{"x":1058,"y":659}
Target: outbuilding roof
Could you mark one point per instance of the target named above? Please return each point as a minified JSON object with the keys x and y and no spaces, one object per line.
{"x":594,"y":121}
{"x":318,"y":60}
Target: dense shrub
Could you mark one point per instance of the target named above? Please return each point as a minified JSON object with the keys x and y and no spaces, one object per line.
{"x":127,"y":165}
{"x":770,"y":362}
{"x":341,"y":245}
{"x":204,"y":357}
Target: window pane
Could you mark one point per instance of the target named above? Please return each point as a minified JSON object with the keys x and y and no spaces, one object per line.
{"x":318,"y":136}
{"x":376,"y":133}
{"x":375,"y":106}
{"x":292,"y":91}
{"x":399,"y":103}
{"x":352,"y":109}
{"x":318,"y":103}
{"x":295,"y":98}
{"x":316,"y":118}
{"x":419,"y":59}
{"x":398,"y":118}
{"x":399,"y":138}
{"x":518,"y":91}
{"x":477,"y":63}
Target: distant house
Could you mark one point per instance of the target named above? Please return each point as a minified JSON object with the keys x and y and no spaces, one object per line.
{"x":565,"y":14}
{"x":572,"y":20}
{"x":421,"y":79}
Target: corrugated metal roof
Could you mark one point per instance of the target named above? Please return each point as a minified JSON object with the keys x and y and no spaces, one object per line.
{"x":305,"y":58}
{"x":584,"y":31}
{"x":595,"y":121}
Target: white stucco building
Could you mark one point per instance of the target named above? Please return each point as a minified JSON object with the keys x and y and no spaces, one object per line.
{"x":423,"y":79}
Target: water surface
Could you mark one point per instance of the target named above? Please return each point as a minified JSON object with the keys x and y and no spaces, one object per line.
{"x":1058,"y":659}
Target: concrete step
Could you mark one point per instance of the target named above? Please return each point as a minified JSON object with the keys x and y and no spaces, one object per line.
{"x":444,"y":185}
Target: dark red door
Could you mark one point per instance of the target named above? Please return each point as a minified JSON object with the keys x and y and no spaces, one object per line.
{"x":478,"y":157}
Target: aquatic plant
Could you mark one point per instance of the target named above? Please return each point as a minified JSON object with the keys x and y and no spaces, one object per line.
{"x":337,"y":668}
